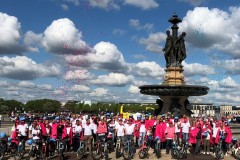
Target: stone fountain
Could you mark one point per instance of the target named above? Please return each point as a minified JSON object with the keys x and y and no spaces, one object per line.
{"x":174,"y":92}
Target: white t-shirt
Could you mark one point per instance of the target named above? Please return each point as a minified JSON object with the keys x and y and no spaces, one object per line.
{"x":120,"y":130}
{"x":142,"y":128}
{"x":77,"y":129}
{"x":36,"y":133}
{"x":73,"y":121}
{"x":68,"y":130}
{"x":185,"y":127}
{"x":177,"y":129}
{"x":22,"y":128}
{"x":215,"y":130}
{"x":94,"y":128}
{"x":88,"y":129}
{"x":129,"y":129}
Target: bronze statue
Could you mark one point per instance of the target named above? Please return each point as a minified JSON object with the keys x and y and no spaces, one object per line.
{"x":181,"y":50}
{"x":174,"y":50}
{"x":168,"y":48}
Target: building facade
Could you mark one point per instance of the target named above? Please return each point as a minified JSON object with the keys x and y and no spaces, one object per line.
{"x":206,"y":109}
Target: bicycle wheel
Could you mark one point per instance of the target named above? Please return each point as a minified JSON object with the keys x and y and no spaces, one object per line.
{"x":219,"y":154}
{"x":13,"y":148}
{"x":174,"y":153}
{"x":143,"y":153}
{"x":1,"y":153}
{"x":158,"y":150}
{"x":80,"y":153}
{"x":127,"y":153}
{"x":118,"y":152}
{"x":96,"y":152}
{"x":237,"y":154}
{"x":18,"y":155}
{"x":31,"y":154}
{"x":106,"y":155}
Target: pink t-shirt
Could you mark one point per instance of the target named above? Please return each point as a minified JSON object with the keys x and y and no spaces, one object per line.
{"x":170,"y":132}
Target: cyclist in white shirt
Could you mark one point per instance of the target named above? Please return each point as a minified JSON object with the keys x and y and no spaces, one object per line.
{"x":22,"y":130}
{"x":77,"y":129}
{"x":120,"y":130}
{"x":129,"y":128}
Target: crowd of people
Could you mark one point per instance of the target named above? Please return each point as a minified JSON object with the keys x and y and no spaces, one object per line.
{"x":201,"y":133}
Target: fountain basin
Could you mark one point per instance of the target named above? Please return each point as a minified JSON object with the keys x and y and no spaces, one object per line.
{"x":174,"y":90}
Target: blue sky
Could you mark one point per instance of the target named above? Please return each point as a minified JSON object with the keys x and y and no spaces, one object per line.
{"x":102,"y":50}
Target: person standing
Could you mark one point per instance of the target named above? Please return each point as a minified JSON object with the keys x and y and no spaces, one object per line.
{"x":198,"y":139}
{"x":87,"y":129}
{"x":185,"y":129}
{"x":206,"y":138}
{"x":170,"y":136}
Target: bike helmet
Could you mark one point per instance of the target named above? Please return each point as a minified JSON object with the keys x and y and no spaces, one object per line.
{"x":157,"y":138}
{"x":147,"y":115}
{"x":52,"y":140}
{"x":30,"y":142}
{"x":22,"y":119}
{"x":108,"y":114}
{"x":176,"y":117}
{"x":9,"y":139}
{"x":3,"y":135}
{"x":57,"y":118}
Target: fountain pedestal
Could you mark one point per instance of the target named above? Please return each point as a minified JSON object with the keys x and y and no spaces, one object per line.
{"x":174,"y":76}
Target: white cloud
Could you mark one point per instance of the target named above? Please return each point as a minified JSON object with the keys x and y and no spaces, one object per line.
{"x":193,"y":2}
{"x":104,"y":4}
{"x":229,"y":83}
{"x":10,"y":39}
{"x":230,"y":66}
{"x":78,"y":74}
{"x":33,"y":40}
{"x":75,"y":2}
{"x":119,"y":32}
{"x":24,"y":68}
{"x":99,"y":92}
{"x":135,"y":23}
{"x":113,"y":79}
{"x":213,"y":29}
{"x":64,"y":7}
{"x":26,"y":84}
{"x":147,"y":69}
{"x":4,"y":84}
{"x":153,"y":42}
{"x":107,"y":57}
{"x":143,"y":4}
{"x":80,"y":88}
{"x":133,"y":90}
{"x":62,"y":37}
{"x":197,"y":69}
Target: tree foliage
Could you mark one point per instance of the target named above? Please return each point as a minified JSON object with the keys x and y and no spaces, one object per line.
{"x":43,"y":105}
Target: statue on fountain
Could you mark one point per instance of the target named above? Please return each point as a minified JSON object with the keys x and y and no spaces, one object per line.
{"x":174,"y":52}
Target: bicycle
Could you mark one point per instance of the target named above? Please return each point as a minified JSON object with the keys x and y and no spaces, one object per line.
{"x":51,"y":147}
{"x":99,"y":149}
{"x":128,"y":152}
{"x":143,"y":151}
{"x":19,"y":154}
{"x":158,"y":148}
{"x":36,"y":150}
{"x":174,"y":150}
{"x":119,"y":146}
{"x":219,"y":152}
{"x":45,"y":147}
{"x":60,"y":149}
{"x":81,"y":150}
{"x":182,"y":152}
